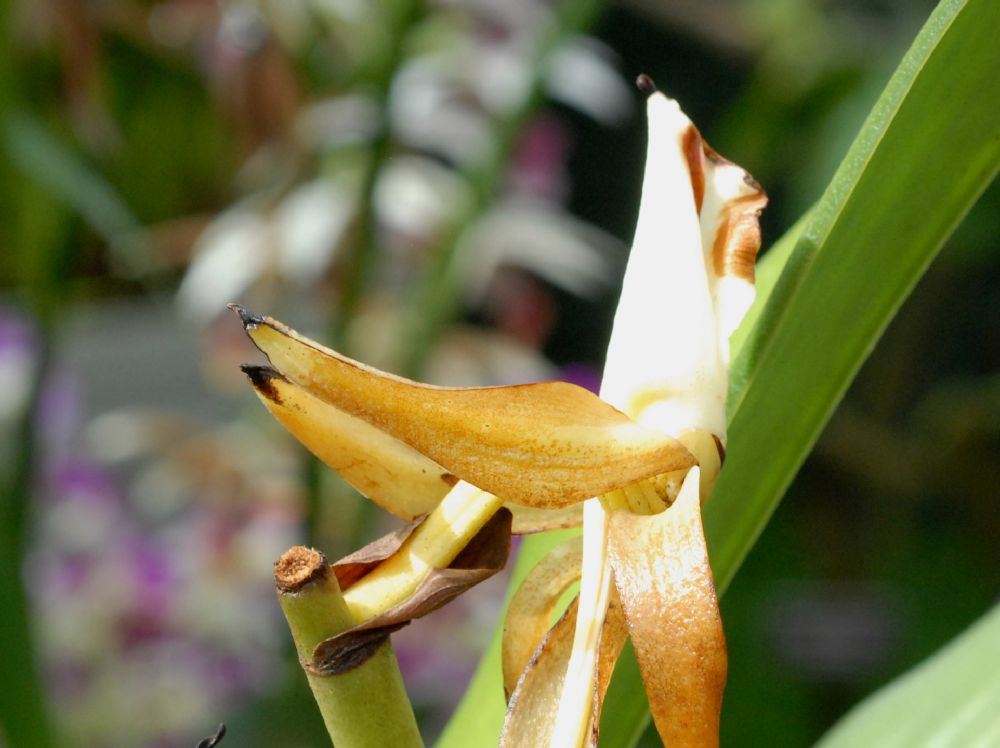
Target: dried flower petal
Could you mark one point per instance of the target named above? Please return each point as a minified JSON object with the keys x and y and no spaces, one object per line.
{"x":393,"y":475}
{"x":530,"y":611}
{"x":665,"y":584}
{"x":546,"y":445}
{"x":483,"y":557}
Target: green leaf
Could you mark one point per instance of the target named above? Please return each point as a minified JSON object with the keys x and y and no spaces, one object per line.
{"x":44,"y":158}
{"x":927,"y":150}
{"x":951,"y":699}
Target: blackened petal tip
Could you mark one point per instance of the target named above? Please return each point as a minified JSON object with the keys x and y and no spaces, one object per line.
{"x":645,"y":84}
{"x":248,"y":318}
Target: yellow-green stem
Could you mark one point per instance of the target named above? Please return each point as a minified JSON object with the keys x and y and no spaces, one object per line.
{"x":363,"y":707}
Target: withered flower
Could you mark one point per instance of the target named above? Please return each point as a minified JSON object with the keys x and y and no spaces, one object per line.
{"x":460,"y":455}
{"x":645,"y":570}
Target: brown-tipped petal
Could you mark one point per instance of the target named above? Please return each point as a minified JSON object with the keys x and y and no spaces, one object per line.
{"x":676,"y":380}
{"x":529,"y":519}
{"x":534,"y":705}
{"x":483,"y":557}
{"x":730,"y":231}
{"x":392,"y":474}
{"x":665,"y":584}
{"x":549,"y":445}
{"x":530,"y":612}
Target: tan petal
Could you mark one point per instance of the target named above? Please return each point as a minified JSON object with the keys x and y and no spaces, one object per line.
{"x":529,"y":519}
{"x":534,"y":705}
{"x":530,"y":612}
{"x":665,"y":583}
{"x":550,"y":445}
{"x":393,"y":475}
{"x":613,"y":636}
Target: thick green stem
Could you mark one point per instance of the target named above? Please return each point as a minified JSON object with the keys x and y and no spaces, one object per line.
{"x":364,"y":706}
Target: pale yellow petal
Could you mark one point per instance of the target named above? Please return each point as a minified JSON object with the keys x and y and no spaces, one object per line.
{"x":392,"y":474}
{"x":663,"y":365}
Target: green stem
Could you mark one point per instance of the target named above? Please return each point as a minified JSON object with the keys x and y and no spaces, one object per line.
{"x":361,"y":707}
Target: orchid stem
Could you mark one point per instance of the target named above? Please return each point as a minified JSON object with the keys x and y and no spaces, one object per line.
{"x":362,"y":707}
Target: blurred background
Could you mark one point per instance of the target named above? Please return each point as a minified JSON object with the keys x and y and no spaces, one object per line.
{"x":447,"y":190}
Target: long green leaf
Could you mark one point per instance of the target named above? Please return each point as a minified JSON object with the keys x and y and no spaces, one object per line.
{"x":929,"y":148}
{"x":951,"y":699}
{"x":926,"y":152}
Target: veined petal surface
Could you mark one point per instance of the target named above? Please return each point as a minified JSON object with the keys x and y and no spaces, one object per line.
{"x":393,"y":475}
{"x":546,"y":445}
{"x":530,"y":612}
{"x":665,"y":585}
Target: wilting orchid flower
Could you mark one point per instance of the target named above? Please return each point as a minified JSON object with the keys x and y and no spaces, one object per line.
{"x":645,"y":570}
{"x":460,"y":454}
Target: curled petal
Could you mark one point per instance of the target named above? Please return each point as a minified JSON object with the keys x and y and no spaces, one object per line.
{"x":665,"y":584}
{"x":530,"y":611}
{"x":729,"y":212}
{"x":483,"y":557}
{"x":673,"y":382}
{"x":534,"y":705}
{"x":529,"y":519}
{"x":691,"y":266}
{"x":550,"y":445}
{"x":393,"y":475}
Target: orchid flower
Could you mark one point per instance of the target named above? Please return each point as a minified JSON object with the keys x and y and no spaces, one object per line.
{"x":649,"y":449}
{"x":645,"y":570}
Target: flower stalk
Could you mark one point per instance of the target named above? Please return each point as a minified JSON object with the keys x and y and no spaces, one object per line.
{"x":362,"y":706}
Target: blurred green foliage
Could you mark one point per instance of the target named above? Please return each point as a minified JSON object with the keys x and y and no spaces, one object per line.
{"x":127,"y":127}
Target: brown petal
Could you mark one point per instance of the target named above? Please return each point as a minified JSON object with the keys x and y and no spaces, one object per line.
{"x":483,"y":557}
{"x":613,"y":636}
{"x":665,"y":584}
{"x":730,"y":228}
{"x":393,"y":475}
{"x":529,"y":519}
{"x":353,"y":566}
{"x":530,"y":612}
{"x":534,"y":705}
{"x":550,"y":445}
